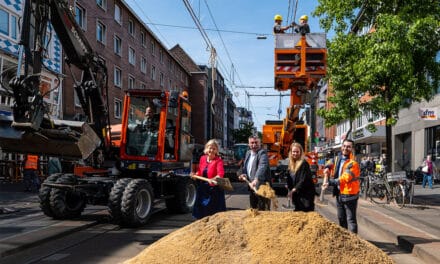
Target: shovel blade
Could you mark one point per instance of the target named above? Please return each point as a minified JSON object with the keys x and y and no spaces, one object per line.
{"x":224,"y":183}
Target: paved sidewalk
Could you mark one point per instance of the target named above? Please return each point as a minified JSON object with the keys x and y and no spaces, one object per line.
{"x":414,"y":228}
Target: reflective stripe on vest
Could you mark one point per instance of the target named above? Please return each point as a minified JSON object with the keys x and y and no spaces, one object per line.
{"x":31,"y":162}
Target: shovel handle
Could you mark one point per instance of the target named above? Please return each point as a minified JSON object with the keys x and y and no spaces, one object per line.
{"x":249,"y":183}
{"x":203,"y":179}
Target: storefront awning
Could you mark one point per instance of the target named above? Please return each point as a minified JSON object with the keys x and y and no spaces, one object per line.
{"x":364,"y":136}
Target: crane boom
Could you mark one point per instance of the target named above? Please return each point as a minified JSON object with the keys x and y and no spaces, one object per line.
{"x":300,"y":63}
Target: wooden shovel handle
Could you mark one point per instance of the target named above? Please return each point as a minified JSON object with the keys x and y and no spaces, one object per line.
{"x":203,"y":179}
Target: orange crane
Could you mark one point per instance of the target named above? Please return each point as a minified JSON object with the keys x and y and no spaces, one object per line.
{"x":300,"y":62}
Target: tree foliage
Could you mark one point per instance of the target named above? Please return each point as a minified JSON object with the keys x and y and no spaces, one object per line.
{"x":241,"y":135}
{"x":394,"y":61}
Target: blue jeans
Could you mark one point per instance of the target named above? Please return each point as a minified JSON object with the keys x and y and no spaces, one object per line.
{"x":347,"y":214}
{"x":30,"y":180}
{"x":427,"y":177}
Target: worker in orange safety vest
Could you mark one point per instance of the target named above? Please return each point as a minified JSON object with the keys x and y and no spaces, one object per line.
{"x":30,"y":176}
{"x":346,"y":184}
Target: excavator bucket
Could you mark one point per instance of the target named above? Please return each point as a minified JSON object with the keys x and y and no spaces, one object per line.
{"x":65,"y":138}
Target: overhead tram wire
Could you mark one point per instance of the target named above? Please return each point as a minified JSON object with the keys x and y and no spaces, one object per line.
{"x":220,"y":36}
{"x":151,"y":22}
{"x":211,"y":29}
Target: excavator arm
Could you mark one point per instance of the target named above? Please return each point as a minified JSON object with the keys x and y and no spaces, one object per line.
{"x":30,"y":111}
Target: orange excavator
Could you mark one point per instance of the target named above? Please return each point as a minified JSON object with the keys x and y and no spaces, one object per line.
{"x":300,"y":63}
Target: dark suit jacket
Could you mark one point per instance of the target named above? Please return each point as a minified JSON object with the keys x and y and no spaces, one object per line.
{"x":260,"y":167}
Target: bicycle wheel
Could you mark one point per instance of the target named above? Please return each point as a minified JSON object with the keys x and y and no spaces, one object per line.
{"x":399,"y":194}
{"x":378,"y":193}
{"x":365,"y":183}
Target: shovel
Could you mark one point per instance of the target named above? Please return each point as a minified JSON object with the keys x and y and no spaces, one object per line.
{"x":223,"y":183}
{"x":321,"y":200}
{"x":265,"y":191}
{"x":289,"y":204}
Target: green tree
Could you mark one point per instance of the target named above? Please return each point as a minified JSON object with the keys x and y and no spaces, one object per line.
{"x":395,"y":62}
{"x":241,"y":135}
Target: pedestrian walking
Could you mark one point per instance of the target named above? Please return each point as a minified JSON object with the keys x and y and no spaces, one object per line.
{"x":346,"y":185}
{"x":427,"y":170}
{"x":30,"y":176}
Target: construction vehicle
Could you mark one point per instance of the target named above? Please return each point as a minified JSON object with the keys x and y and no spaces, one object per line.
{"x":128,"y":167}
{"x":300,"y":62}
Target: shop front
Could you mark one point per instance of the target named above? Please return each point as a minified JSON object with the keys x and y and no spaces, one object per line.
{"x":370,"y":143}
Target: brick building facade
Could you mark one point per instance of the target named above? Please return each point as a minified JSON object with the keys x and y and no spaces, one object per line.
{"x":134,"y":56}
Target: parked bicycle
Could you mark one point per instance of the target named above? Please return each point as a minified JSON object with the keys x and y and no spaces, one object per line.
{"x":385,"y":188}
{"x":364,"y":182}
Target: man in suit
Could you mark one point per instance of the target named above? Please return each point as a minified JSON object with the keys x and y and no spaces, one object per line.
{"x":255,"y":169}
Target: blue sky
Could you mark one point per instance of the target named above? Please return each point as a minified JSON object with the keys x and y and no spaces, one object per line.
{"x":252,"y":58}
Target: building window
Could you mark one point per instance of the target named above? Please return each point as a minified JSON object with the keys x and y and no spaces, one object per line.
{"x":80,"y":16}
{"x":117,"y":78}
{"x":143,"y":86}
{"x":102,"y":4}
{"x":161,"y":56}
{"x":131,"y":56}
{"x":118,"y":108}
{"x":153,"y":73}
{"x":161,"y":78}
{"x":131,"y":82}
{"x":101,"y":32}
{"x":143,"y":65}
{"x":131,"y":27}
{"x":8,"y":24}
{"x":152,"y":47}
{"x":117,"y":43}
{"x":118,"y":14}
{"x":143,"y":41}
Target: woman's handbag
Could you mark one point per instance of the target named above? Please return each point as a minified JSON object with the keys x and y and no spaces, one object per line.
{"x":425,"y":169}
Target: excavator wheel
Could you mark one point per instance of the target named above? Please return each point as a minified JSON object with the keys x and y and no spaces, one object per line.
{"x":115,"y":199}
{"x":185,"y":196}
{"x":44,"y":194}
{"x":137,"y":203}
{"x":66,"y":204}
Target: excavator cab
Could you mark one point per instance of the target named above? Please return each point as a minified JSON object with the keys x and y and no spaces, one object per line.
{"x":155,"y":127}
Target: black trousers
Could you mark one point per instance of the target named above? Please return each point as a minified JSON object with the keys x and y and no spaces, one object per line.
{"x":347,"y":213}
{"x":259,"y":202}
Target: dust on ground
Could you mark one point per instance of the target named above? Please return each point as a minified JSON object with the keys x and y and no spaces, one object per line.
{"x":261,"y":237}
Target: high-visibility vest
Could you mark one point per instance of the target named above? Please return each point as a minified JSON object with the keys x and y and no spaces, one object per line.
{"x":31,"y":162}
{"x":349,"y":181}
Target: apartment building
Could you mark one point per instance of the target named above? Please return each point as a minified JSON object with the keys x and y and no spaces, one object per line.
{"x":134,"y":56}
{"x":10,"y":14}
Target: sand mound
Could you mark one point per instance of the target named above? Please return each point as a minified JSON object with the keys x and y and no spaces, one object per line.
{"x":261,"y":237}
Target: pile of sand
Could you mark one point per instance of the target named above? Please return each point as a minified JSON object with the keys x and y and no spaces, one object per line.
{"x":261,"y":237}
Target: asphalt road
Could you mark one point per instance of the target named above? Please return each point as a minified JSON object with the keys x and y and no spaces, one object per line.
{"x":103,"y":242}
